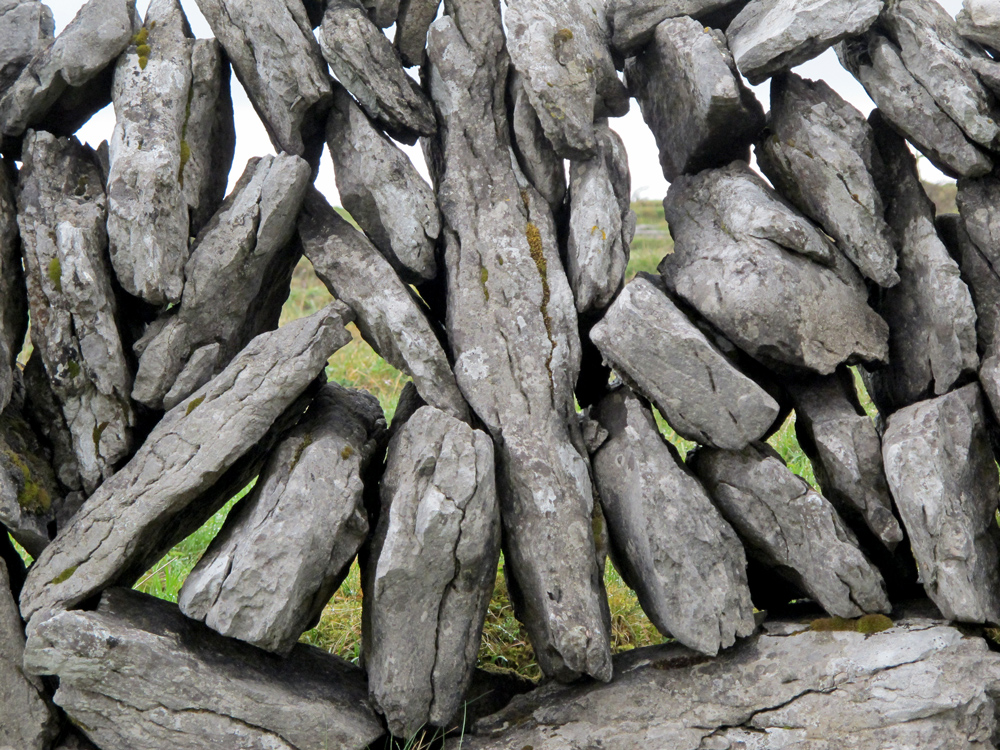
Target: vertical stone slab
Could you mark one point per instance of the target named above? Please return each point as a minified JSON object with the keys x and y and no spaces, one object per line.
{"x":414,"y":19}
{"x":13,"y":296}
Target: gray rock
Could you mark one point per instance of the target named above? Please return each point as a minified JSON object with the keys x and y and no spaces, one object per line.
{"x":560,"y":48}
{"x":299,"y":528}
{"x":414,"y":19}
{"x":909,"y":107}
{"x":62,"y":211}
{"x":13,"y":296}
{"x":382,"y":12}
{"x":275,"y":56}
{"x":62,"y":68}
{"x":943,"y":477}
{"x":788,"y":688}
{"x":693,"y":99}
{"x":231,"y":261}
{"x":183,"y":457}
{"x":513,"y":329}
{"x":660,"y":352}
{"x":635,"y":21}
{"x":791,"y":528}
{"x":365,"y":61}
{"x":979,"y":21}
{"x":383,"y":192}
{"x":136,"y":673}
{"x":744,"y":261}
{"x":389,"y":315}
{"x":44,"y":412}
{"x":25,"y":27}
{"x":819,"y":155}
{"x":542,"y":166}
{"x":683,"y":560}
{"x":973,"y":243}
{"x":432,"y":569}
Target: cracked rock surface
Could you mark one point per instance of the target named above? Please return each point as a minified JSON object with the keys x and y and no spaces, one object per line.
{"x":543,"y":167}
{"x":25,"y":27}
{"x":635,"y":21}
{"x":979,"y":21}
{"x":414,"y":19}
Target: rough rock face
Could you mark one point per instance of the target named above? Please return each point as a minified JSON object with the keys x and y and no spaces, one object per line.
{"x":943,"y":478}
{"x":25,"y":27}
{"x":668,"y":696}
{"x":513,"y":329}
{"x":246,"y":243}
{"x":560,"y":48}
{"x":414,"y":19}
{"x":365,"y":61}
{"x":819,"y":156}
{"x":13,"y":297}
{"x":182,"y":458}
{"x":275,"y":56}
{"x":979,"y":21}
{"x":789,"y":527}
{"x":62,"y":211}
{"x":657,"y":349}
{"x":383,"y":192}
{"x":431,"y":572}
{"x":972,"y":241}
{"x":635,"y":21}
{"x":136,"y":673}
{"x":672,"y":546}
{"x":44,"y":412}
{"x":745,"y":262}
{"x":539,"y":161}
{"x":693,"y":99}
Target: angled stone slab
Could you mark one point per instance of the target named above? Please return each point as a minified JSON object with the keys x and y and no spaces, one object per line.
{"x":693,"y":99}
{"x":818,"y":154}
{"x":560,"y":48}
{"x":660,"y":352}
{"x":513,"y":330}
{"x":738,"y":260}
{"x":43,"y":411}
{"x":943,"y":477}
{"x":790,"y":528}
{"x":979,"y":21}
{"x":274,"y":54}
{"x":543,"y":167}
{"x":13,"y":295}
{"x":382,"y":190}
{"x":382,"y":12}
{"x":684,"y":561}
{"x":972,"y":239}
{"x":62,"y":212}
{"x":244,"y":249}
{"x":137,"y":673}
{"x":414,"y":19}
{"x":432,"y":569}
{"x":299,"y":528}
{"x":25,"y":27}
{"x":368,"y":66}
{"x":635,"y":21}
{"x":389,"y":316}
{"x":183,"y":457}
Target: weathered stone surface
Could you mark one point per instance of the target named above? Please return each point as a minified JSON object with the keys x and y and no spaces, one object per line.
{"x":13,"y":297}
{"x":932,"y":322}
{"x":819,"y":156}
{"x":415,"y":18}
{"x":909,"y":107}
{"x":972,"y":239}
{"x":539,"y":161}
{"x":232,"y":261}
{"x":432,"y":569}
{"x":61,"y":69}
{"x":184,"y":455}
{"x":136,"y":673}
{"x":383,"y":192}
{"x":845,"y":451}
{"x":921,"y":683}
{"x":635,"y":21}
{"x":275,"y":56}
{"x":789,"y":527}
{"x":659,"y":351}
{"x":979,"y":21}
{"x":389,"y":315}
{"x":382,"y":12}
{"x":943,"y":478}
{"x":560,"y":48}
{"x":62,"y":211}
{"x":364,"y":60}
{"x":683,"y":560}
{"x":25,"y":27}
{"x":743,"y":260}
{"x":513,"y":329}
{"x":46,"y":416}
{"x":298,"y":529}
{"x":693,"y":99}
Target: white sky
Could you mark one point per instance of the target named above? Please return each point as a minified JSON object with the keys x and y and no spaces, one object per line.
{"x":647,"y":180}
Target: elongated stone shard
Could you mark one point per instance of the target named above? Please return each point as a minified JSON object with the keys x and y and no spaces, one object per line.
{"x":136,"y":673}
{"x":383,"y":192}
{"x":44,"y":413}
{"x":299,"y":528}
{"x":789,"y":527}
{"x":943,"y":478}
{"x":275,"y":56}
{"x":693,"y":99}
{"x":738,"y":260}
{"x":560,"y":48}
{"x":819,"y":155}
{"x":13,"y":295}
{"x":414,"y":19}
{"x":183,"y":457}
{"x":513,"y":329}
{"x":635,"y":21}
{"x":246,"y":245}
{"x":972,"y":239}
{"x":368,"y":66}
{"x":432,"y":568}
{"x":25,"y":27}
{"x":543,"y":167}
{"x":62,"y":211}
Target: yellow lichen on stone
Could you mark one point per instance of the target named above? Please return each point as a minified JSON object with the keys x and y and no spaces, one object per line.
{"x":347,"y":452}
{"x":65,"y":575}
{"x":829,"y":624}
{"x":194,"y":405}
{"x":55,"y":274}
{"x":873,"y":624}
{"x":484,"y":276}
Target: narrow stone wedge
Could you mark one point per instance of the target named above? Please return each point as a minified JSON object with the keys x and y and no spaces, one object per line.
{"x":415,"y":18}
{"x":13,"y":295}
